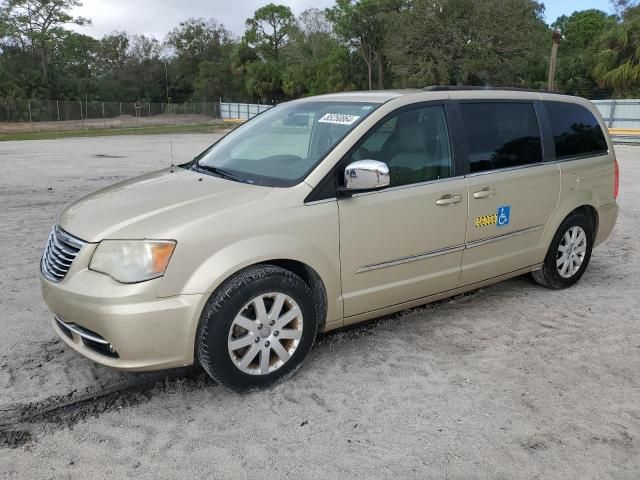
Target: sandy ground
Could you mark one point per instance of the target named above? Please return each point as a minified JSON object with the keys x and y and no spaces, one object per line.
{"x":511,"y":381}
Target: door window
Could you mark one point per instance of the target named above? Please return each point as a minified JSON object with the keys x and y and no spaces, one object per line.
{"x":576,"y":132}
{"x":414,"y":143}
{"x":501,"y":135}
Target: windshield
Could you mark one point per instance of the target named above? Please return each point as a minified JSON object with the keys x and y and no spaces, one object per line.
{"x":280,"y":146}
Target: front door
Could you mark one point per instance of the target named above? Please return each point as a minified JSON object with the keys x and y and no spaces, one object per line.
{"x":512,"y":192}
{"x":404,"y":242}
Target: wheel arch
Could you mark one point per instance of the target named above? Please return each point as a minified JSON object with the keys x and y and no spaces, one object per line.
{"x":310,"y":277}
{"x":587,"y":208}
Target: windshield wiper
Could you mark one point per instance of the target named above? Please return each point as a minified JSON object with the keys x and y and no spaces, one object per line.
{"x":221,"y":172}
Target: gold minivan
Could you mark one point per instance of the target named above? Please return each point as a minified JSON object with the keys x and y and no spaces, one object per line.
{"x":324,"y":212}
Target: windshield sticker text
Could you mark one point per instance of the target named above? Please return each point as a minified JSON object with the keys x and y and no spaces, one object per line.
{"x":339,"y":118}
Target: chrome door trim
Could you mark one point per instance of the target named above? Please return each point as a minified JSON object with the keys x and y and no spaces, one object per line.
{"x":411,"y":258}
{"x":516,"y":233}
{"x":320,"y":202}
{"x":585,"y":156}
{"x":538,"y":164}
{"x":446,"y":250}
{"x":509,"y":169}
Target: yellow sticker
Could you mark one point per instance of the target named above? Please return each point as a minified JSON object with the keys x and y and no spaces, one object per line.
{"x":486,"y":220}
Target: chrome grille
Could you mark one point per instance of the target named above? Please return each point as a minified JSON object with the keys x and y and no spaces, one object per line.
{"x":59,"y":254}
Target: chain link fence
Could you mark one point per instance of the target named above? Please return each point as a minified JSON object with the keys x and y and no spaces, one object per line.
{"x":622,"y":116}
{"x":45,"y":115}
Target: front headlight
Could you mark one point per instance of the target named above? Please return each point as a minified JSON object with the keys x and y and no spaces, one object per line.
{"x":132,"y":261}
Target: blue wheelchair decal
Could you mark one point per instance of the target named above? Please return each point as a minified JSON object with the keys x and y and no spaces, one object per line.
{"x":504,"y":216}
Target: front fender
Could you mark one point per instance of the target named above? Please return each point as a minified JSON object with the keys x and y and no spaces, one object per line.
{"x":212,"y":249}
{"x":233,"y":258}
{"x":247,"y":252}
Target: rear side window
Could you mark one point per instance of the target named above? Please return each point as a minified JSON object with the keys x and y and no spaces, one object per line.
{"x":576,"y":132}
{"x":501,"y":135}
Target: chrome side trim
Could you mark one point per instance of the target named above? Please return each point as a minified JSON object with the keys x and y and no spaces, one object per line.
{"x":510,"y":169}
{"x":81,"y":332}
{"x":444,"y":251}
{"x":412,"y":258}
{"x":583,"y":157}
{"x":485,"y":241}
{"x":320,"y":202}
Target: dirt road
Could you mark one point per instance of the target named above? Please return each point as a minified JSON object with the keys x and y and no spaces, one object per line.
{"x":511,"y":381}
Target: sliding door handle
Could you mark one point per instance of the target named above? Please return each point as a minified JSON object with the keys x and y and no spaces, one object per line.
{"x":448,"y":200}
{"x":484,"y":193}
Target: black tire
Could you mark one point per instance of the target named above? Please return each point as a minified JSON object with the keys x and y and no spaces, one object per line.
{"x":549,"y":276}
{"x":223,"y":306}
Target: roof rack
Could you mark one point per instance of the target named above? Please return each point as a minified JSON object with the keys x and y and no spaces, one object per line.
{"x":449,"y":88}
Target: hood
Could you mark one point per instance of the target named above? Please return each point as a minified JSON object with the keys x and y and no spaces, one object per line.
{"x":142,"y":206}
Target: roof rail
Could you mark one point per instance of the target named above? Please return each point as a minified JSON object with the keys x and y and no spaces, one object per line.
{"x":449,"y":88}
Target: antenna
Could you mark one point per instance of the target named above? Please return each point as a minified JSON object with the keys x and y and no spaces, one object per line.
{"x":173,"y":163}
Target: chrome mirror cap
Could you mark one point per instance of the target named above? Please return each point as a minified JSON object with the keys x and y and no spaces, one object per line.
{"x":366,"y":175}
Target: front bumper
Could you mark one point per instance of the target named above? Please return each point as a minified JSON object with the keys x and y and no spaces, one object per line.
{"x":139,"y":330}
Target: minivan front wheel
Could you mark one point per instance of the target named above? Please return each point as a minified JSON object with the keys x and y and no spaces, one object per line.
{"x":568,"y":255}
{"x":257,"y":328}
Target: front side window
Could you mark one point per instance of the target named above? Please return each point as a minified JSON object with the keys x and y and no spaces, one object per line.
{"x":576,"y":132}
{"x":282,"y":145}
{"x":414,"y":143}
{"x":501,"y":135}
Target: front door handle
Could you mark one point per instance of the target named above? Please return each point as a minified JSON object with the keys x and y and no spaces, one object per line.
{"x":448,"y":200}
{"x":484,"y":193}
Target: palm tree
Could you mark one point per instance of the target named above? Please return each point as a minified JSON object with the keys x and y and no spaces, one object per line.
{"x":618,"y":61}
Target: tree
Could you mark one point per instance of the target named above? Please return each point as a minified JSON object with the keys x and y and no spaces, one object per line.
{"x":618,"y":59}
{"x":75,"y":67}
{"x":315,"y":61}
{"x":269,"y":30}
{"x":581,"y":28}
{"x":38,"y":25}
{"x":620,"y":6}
{"x":576,"y":57}
{"x":193,"y":42}
{"x":267,"y":33}
{"x":493,"y":42}
{"x":361,"y":23}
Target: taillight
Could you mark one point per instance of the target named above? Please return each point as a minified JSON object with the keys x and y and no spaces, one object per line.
{"x":616,"y":182}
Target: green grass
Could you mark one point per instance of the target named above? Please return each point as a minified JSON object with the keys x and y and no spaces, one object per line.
{"x":104,"y":132}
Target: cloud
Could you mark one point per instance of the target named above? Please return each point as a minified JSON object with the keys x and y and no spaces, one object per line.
{"x":157,"y":17}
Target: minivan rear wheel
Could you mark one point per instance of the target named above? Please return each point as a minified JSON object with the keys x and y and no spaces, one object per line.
{"x":257,"y":328}
{"x":568,"y":255}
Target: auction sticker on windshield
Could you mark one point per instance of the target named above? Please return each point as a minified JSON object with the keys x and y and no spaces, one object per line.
{"x":339,"y":118}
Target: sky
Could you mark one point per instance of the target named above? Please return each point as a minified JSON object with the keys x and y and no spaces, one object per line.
{"x":157,"y":17}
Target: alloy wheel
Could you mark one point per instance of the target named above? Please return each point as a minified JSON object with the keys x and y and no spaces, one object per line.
{"x":571,"y":252}
{"x":265,"y":333}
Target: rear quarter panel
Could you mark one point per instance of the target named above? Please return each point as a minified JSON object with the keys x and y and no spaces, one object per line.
{"x":584,"y":181}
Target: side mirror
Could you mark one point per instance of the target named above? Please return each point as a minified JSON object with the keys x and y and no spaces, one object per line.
{"x":366,"y":175}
